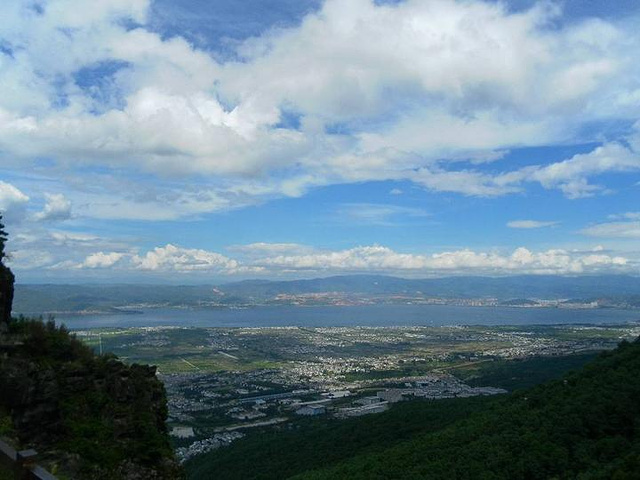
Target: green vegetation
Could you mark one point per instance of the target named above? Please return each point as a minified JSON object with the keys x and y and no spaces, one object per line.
{"x":3,"y":239}
{"x":91,"y":416}
{"x":5,"y":473}
{"x":318,"y":443}
{"x":179,"y":350}
{"x":583,"y":426}
{"x":6,"y":282}
{"x":314,"y":443}
{"x":520,"y":373}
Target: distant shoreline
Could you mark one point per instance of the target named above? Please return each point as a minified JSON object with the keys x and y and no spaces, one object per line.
{"x":150,"y":308}
{"x":352,"y":316}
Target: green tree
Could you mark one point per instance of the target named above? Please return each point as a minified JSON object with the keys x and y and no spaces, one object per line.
{"x":3,"y":240}
{"x":6,"y":282}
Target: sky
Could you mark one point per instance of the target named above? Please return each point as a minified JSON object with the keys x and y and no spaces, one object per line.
{"x":190,"y":141}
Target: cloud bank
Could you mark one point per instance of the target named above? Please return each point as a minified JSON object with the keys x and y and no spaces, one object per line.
{"x":293,"y":259}
{"x":423,"y":91}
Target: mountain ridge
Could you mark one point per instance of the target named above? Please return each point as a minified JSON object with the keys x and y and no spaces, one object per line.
{"x":44,"y":298}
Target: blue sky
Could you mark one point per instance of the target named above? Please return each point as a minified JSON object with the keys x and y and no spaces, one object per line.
{"x":194,"y":141}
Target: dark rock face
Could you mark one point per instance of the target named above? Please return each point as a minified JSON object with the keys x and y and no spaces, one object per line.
{"x":6,"y":295}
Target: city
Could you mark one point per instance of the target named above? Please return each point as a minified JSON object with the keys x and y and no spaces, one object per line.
{"x":224,"y":383}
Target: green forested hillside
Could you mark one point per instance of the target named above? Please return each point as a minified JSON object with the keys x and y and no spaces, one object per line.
{"x":315,"y":444}
{"x":319,"y":442}
{"x":583,"y":426}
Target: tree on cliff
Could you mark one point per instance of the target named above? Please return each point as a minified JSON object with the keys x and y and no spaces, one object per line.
{"x":3,"y":239}
{"x":6,"y":282}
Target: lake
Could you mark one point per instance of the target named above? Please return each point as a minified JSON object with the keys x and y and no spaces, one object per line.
{"x":369,"y":315}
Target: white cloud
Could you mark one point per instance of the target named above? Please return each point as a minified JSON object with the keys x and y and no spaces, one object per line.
{"x":57,"y":207}
{"x":614,"y":230}
{"x":571,"y":176}
{"x":293,"y":259}
{"x":467,"y":182}
{"x":412,"y":88}
{"x":530,"y":224}
{"x":12,"y":202}
{"x":382,"y":259}
{"x":101,"y":260}
{"x":173,"y":258}
{"x":10,"y":196}
{"x":36,"y":248}
{"x":625,"y":216}
{"x":345,"y":60}
{"x":395,"y":191}
{"x":30,"y":258}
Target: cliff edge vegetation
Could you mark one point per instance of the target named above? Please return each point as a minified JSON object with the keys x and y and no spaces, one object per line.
{"x":89,"y":416}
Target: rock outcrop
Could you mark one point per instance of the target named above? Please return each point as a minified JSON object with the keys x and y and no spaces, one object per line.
{"x":93,"y":416}
{"x":6,"y":296}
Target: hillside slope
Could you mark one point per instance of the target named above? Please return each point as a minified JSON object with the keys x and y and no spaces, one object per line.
{"x":586,"y":426}
{"x":315,"y":443}
{"x":89,"y":416}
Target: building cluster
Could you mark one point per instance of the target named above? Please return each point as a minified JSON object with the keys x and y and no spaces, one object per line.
{"x":206,"y":445}
{"x":337,"y":372}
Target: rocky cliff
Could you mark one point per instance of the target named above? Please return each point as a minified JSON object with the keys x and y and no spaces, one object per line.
{"x":92,"y":416}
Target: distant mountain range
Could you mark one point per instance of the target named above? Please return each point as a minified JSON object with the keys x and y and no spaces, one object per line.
{"x":526,"y":286}
{"x":520,"y":289}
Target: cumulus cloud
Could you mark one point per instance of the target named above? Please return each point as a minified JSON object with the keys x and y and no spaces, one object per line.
{"x":383,"y":259}
{"x":530,"y":224}
{"x":173,"y":258}
{"x":57,"y":207}
{"x":12,"y":202}
{"x":294,"y":259}
{"x":381,"y":92}
{"x":101,"y":260}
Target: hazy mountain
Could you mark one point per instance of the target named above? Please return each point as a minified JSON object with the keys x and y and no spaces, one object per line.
{"x":526,"y":286}
{"x":59,"y":298}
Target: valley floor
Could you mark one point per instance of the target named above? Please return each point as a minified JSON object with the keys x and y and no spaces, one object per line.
{"x":225,"y":384}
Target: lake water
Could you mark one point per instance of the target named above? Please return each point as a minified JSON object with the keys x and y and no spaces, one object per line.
{"x":373,"y":316}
